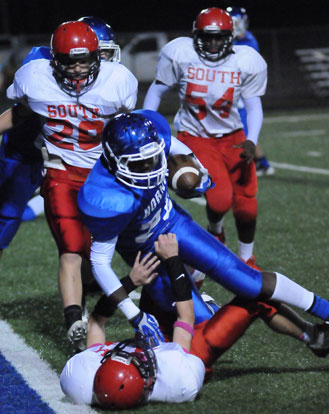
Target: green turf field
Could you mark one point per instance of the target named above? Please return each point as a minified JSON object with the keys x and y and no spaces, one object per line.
{"x":264,"y":372}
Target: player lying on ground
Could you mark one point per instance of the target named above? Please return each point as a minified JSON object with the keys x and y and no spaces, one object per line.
{"x":129,"y":373}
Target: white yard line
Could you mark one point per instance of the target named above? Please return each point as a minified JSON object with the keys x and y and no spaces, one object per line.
{"x":36,"y":372}
{"x":295,"y":118}
{"x":310,"y":133}
{"x":301,"y":168}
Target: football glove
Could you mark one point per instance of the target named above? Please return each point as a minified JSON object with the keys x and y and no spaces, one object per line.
{"x":148,"y":326}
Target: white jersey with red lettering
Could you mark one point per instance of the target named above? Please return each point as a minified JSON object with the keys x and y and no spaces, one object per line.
{"x":209,"y":91}
{"x":179,"y":378}
{"x":73,"y":126}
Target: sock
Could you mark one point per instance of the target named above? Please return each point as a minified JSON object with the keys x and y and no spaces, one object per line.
{"x":320,"y":308}
{"x":72,"y":314}
{"x":305,"y":338}
{"x":36,"y":204}
{"x":216,"y":228}
{"x":245,"y":250}
{"x":289,"y":292}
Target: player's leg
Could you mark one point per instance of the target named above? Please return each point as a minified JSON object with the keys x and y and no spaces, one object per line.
{"x":214,"y":337}
{"x":34,"y":208}
{"x":73,"y":243}
{"x":244,"y":205}
{"x":220,"y":197}
{"x":201,"y":251}
{"x":18,"y":183}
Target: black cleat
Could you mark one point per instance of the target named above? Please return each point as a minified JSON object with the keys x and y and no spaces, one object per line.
{"x":320,"y":347}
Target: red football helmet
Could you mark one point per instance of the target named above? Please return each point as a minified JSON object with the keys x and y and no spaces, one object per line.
{"x":125,"y":379}
{"x":70,"y":43}
{"x":213,"y":34}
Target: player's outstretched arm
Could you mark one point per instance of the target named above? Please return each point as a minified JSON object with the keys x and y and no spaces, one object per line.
{"x":166,"y":248}
{"x":142,"y":273}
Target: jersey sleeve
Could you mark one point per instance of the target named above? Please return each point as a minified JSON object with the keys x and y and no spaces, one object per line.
{"x":127,"y":91}
{"x":15,"y":91}
{"x":254,"y":68}
{"x":106,"y":207}
{"x":167,"y":70}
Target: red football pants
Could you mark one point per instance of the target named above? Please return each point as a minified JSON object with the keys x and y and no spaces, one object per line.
{"x":60,"y":190}
{"x":235,"y":180}
{"x":215,"y":336}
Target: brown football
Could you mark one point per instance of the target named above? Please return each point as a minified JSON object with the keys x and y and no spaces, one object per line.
{"x":184,"y":173}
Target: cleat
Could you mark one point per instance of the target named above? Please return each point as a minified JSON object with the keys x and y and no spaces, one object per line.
{"x":321,"y":345}
{"x":220,"y":237}
{"x":210,"y":302}
{"x":260,"y":172}
{"x":198,"y":277}
{"x":77,"y":335}
{"x":263,"y":167}
{"x":252,"y":263}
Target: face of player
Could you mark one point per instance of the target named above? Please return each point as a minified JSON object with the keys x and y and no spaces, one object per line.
{"x":144,"y":166}
{"x":78,"y":70}
{"x":106,"y":54}
{"x":212,"y":43}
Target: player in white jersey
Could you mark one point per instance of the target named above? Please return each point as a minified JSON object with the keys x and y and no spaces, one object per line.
{"x":127,"y":374}
{"x":110,"y":51}
{"x":75,"y":94}
{"x":211,"y":75}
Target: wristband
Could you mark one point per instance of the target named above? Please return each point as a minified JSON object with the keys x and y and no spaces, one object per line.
{"x":186,"y":326}
{"x":128,"y":284}
{"x":180,"y":281}
{"x":128,"y":308}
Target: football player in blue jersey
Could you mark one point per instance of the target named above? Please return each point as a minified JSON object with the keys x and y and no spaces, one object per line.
{"x":20,"y":167}
{"x":110,"y":51}
{"x":126,"y":206}
{"x":242,"y":36}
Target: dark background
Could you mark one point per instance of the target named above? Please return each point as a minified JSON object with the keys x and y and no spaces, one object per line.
{"x":40,"y":16}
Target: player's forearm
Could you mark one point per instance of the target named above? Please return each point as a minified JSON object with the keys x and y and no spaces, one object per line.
{"x":96,"y":329}
{"x":254,"y":118}
{"x":154,"y":95}
{"x":6,"y":120}
{"x":185,"y":311}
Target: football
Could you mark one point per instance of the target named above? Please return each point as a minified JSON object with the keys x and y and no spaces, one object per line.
{"x":184,"y":173}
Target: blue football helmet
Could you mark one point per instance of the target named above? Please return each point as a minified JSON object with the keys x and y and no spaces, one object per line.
{"x":240,"y":20}
{"x":134,"y":151}
{"x":109,"y":49}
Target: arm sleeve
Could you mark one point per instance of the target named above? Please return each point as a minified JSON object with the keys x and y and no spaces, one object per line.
{"x":154,"y":94}
{"x":101,"y":256}
{"x":254,"y":117}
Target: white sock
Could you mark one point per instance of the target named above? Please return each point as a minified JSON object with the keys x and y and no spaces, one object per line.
{"x":197,"y":276}
{"x":216,"y":228}
{"x":245,"y":250}
{"x":36,"y":205}
{"x":291,"y":293}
